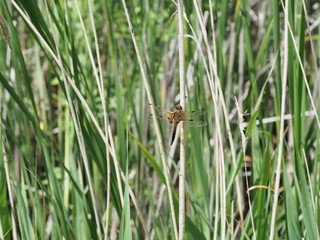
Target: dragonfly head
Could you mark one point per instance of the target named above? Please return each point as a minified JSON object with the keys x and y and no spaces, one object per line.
{"x":178,"y":107}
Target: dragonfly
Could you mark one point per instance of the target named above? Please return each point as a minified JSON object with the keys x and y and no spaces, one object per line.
{"x":178,"y":115}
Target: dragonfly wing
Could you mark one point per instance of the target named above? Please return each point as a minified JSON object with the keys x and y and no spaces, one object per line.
{"x":195,"y":113}
{"x":161,"y":111}
{"x":163,"y":114}
{"x":163,"y":117}
{"x":194,"y":123}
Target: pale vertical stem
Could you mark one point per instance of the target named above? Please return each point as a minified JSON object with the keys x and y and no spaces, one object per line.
{"x":281,"y":136}
{"x":182,"y":138}
{"x":3,"y":154}
{"x":156,"y":126}
{"x":105,"y":117}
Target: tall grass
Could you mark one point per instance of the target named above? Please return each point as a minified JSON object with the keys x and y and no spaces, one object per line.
{"x":82,"y":158}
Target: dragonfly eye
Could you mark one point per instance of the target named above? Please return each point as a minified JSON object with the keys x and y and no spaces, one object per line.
{"x":178,"y":107}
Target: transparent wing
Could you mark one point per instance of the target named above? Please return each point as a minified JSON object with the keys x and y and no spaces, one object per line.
{"x":161,"y":111}
{"x":165,"y":117}
{"x":194,"y":123}
{"x":195,"y":113}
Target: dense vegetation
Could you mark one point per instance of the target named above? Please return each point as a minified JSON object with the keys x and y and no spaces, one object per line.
{"x":81,"y":156}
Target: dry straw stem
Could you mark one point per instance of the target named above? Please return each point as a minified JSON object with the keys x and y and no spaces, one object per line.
{"x":156,"y":126}
{"x":100,"y":85}
{"x":8,"y":181}
{"x":283,"y":101}
{"x":70,"y":81}
{"x":218,"y":102}
{"x":287,"y":29}
{"x":78,"y":130}
{"x":217,"y":97}
{"x":182,"y":138}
